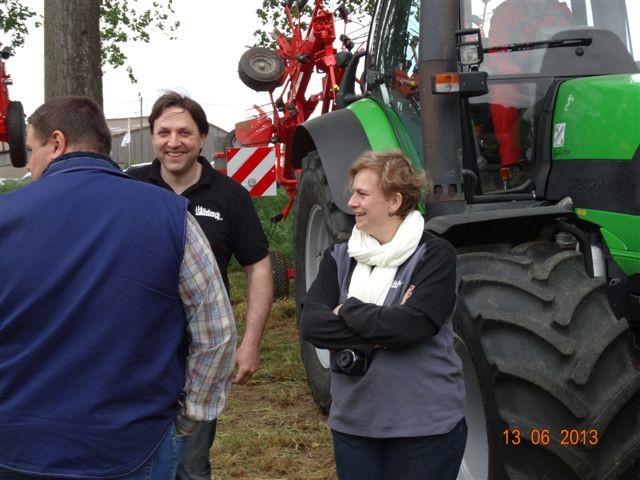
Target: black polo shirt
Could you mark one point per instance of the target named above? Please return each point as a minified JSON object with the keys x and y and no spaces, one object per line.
{"x":225,"y":212}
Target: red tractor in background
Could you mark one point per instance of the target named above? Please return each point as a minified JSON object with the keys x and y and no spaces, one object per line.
{"x":12,"y":125}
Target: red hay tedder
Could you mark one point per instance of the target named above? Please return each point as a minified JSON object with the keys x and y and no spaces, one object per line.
{"x":289,"y":70}
{"x":12,"y":126}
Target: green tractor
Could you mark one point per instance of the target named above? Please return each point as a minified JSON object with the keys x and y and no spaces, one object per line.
{"x":528,"y":125}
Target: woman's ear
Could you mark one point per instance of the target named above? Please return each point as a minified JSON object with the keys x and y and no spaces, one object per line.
{"x":396,"y":202}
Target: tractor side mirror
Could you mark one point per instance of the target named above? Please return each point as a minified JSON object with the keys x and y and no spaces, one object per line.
{"x":347,"y":90}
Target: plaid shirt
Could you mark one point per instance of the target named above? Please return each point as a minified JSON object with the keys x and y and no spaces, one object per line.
{"x":211,"y":331}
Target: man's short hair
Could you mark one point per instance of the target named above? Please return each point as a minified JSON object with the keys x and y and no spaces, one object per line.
{"x":80,"y":119}
{"x":174,"y":99}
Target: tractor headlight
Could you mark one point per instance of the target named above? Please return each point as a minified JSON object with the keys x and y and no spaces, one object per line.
{"x":469,"y":46}
{"x":468,"y":54}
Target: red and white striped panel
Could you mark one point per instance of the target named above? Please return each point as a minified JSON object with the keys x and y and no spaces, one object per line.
{"x":254,"y":168}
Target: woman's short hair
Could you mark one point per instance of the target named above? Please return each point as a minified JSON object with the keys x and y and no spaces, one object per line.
{"x":396,"y":174}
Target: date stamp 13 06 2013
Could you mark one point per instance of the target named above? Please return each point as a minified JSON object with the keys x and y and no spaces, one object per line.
{"x":545,"y":436}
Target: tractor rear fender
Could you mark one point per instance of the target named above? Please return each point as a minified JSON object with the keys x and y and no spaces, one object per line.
{"x":340,"y":137}
{"x":538,"y":224}
{"x":513,"y":225}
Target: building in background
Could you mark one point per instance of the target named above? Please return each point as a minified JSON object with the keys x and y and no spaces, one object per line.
{"x":131,"y":145}
{"x":132,"y":141}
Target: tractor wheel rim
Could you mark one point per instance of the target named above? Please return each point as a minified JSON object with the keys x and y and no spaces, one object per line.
{"x":316,"y":242}
{"x":263,"y":64}
{"x":475,"y":463}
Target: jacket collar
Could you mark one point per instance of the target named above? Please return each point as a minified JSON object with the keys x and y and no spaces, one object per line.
{"x":81,"y":161}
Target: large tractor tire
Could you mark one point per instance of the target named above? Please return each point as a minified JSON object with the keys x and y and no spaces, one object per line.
{"x":16,"y":135}
{"x":556,"y":391}
{"x":318,"y":224}
{"x":261,"y":69}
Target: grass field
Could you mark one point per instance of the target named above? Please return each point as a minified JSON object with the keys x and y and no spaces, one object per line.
{"x":279,"y":234}
{"x":271,"y":428}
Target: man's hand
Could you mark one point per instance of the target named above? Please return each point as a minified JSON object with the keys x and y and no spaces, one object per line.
{"x":259,"y":299}
{"x":247,"y":363}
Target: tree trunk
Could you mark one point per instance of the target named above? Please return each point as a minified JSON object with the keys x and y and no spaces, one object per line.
{"x":72,"y":64}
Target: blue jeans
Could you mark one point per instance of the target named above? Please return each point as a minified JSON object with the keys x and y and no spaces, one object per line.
{"x":161,"y":466}
{"x":434,"y":457}
{"x":195,"y":463}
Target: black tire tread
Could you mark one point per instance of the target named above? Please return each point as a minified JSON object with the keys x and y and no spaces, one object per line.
{"x":16,"y":136}
{"x":280,"y":274}
{"x":550,"y":354}
{"x":259,"y":81}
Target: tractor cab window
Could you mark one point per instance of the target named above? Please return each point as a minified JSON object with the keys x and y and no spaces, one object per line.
{"x":514,"y":31}
{"x":392,"y":72}
{"x":528,"y":45}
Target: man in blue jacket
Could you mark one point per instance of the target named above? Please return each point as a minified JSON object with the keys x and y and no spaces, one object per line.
{"x":116,"y":333}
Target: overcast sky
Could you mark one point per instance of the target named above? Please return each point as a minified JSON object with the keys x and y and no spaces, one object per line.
{"x":202,"y":62}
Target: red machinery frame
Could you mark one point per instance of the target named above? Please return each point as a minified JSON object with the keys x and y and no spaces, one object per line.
{"x":302,"y":54}
{"x":5,"y":80}
{"x":12,"y":126}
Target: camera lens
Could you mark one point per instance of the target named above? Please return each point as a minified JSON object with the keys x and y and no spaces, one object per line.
{"x":345,"y":358}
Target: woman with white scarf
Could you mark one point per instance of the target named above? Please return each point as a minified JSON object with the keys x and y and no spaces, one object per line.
{"x":382,"y":304}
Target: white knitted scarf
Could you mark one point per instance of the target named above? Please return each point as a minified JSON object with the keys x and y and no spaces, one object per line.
{"x":371,"y":284}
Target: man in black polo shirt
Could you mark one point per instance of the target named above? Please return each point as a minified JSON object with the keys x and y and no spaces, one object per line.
{"x":224,"y":210}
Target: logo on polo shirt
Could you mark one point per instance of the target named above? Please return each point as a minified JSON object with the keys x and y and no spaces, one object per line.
{"x":205,"y":212}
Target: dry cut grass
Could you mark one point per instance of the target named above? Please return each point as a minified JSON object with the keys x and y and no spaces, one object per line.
{"x":271,"y":428}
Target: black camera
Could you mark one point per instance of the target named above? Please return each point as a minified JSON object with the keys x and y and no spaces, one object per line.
{"x":349,"y":362}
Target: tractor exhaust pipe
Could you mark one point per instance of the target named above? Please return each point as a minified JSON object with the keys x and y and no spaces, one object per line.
{"x":441,"y":132}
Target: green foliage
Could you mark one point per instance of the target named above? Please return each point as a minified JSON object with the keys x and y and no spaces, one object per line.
{"x":11,"y":185}
{"x":120,"y":22}
{"x":15,"y":20}
{"x":278,"y":234}
{"x":273,"y":16}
